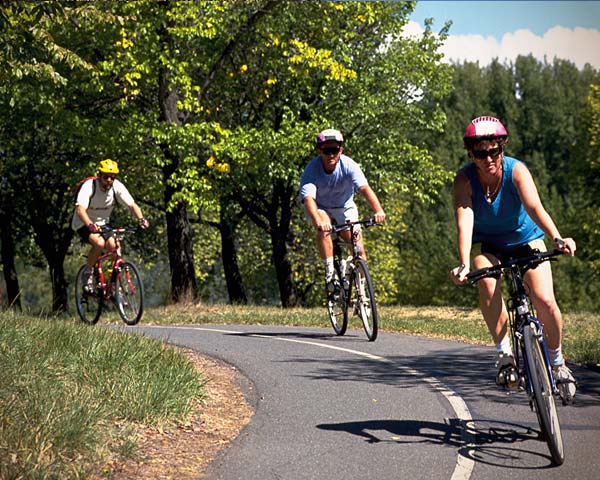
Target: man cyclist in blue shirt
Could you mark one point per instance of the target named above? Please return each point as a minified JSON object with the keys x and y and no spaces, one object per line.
{"x":327,"y":191}
{"x":497,"y":205}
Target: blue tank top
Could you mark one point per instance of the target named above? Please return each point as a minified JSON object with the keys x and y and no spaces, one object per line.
{"x":504,"y":223}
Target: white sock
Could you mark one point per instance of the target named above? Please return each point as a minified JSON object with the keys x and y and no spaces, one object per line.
{"x":504,"y":346}
{"x":556,"y":356}
{"x":328,"y":262}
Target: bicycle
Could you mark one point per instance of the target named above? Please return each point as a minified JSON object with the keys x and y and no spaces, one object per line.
{"x":533,"y":370}
{"x":120,"y":283}
{"x":353,"y":285}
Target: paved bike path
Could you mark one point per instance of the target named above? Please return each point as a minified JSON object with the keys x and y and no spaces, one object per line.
{"x":404,"y":406}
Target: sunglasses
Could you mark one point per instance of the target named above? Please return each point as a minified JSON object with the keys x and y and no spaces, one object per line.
{"x":483,"y":154}
{"x":108,"y":176}
{"x":330,"y":150}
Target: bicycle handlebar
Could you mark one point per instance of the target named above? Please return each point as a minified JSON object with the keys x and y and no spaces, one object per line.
{"x":119,"y":230}
{"x":367,"y":222}
{"x":525,"y":263}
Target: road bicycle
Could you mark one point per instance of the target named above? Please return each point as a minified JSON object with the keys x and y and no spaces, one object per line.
{"x":533,"y":370}
{"x":353,"y":285}
{"x":119,"y":282}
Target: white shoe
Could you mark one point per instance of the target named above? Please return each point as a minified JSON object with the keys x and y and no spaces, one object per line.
{"x":565,"y":382}
{"x":507,"y":370}
{"x":87,"y":277}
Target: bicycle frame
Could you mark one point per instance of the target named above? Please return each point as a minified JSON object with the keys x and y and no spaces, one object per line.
{"x":520,"y":314}
{"x":116,"y":266}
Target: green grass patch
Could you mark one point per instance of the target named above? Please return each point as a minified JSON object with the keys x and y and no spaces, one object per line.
{"x":69,"y":394}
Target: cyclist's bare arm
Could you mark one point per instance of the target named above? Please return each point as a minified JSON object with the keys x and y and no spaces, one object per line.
{"x":136,"y":210}
{"x":533,"y":205}
{"x":321,"y":222}
{"x":82,"y":214}
{"x":370,"y":196}
{"x":465,"y":219}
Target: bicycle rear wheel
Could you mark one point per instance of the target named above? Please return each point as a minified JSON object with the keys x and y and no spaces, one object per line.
{"x":337,"y":306}
{"x":543,"y":395}
{"x":129,"y":293}
{"x":364,"y":298}
{"x":89,"y":305}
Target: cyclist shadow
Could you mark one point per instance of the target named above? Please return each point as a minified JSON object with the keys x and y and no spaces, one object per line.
{"x":492,"y":443}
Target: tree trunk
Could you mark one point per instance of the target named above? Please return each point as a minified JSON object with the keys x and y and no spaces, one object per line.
{"x":280,"y":232}
{"x":233,"y":276}
{"x":59,"y":284}
{"x":7,"y":243}
{"x":181,"y":258}
{"x":179,"y":231}
{"x":283,"y":269}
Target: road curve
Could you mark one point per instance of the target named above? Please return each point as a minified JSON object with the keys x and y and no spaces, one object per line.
{"x":403,"y":407}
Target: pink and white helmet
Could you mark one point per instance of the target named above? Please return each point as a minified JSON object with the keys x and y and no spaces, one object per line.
{"x":484,"y":128}
{"x":330,"y":135}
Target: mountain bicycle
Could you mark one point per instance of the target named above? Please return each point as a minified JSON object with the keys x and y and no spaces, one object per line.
{"x":533,"y":370}
{"x":118,"y":282}
{"x":353,"y":286}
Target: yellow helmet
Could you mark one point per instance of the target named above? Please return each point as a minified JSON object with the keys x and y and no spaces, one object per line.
{"x":108,"y":166}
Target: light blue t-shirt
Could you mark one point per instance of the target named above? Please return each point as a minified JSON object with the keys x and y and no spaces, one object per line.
{"x":335,"y":189}
{"x":504,"y":222}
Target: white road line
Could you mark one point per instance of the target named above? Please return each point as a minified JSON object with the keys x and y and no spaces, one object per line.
{"x":464,"y":466}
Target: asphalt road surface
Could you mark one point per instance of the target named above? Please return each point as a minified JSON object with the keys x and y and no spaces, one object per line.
{"x":402,"y":407}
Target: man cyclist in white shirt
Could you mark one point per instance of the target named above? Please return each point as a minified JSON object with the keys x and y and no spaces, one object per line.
{"x":327,"y":191}
{"x":94,"y":204}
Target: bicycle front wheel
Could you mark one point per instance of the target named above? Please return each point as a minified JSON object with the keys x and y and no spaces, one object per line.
{"x":543,"y":395}
{"x":89,"y":305}
{"x":364,"y":298}
{"x":129,"y":293}
{"x":337,"y":307}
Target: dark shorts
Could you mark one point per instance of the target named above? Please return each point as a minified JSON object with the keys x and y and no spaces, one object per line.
{"x":503,"y":254}
{"x":84,"y":234}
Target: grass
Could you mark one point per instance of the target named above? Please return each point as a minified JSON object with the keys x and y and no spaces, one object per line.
{"x":71,"y":395}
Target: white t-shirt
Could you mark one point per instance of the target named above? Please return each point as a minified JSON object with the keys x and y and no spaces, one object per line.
{"x":100,"y":205}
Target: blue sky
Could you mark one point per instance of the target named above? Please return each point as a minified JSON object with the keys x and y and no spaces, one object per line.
{"x":482,"y":29}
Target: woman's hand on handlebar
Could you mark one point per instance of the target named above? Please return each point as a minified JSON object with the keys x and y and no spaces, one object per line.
{"x":565,"y":245}
{"x":459,"y":274}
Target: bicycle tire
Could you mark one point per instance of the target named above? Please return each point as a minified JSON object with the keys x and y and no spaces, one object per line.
{"x":365,"y":305}
{"x":337,"y":305}
{"x":89,"y":305}
{"x":129,"y":293}
{"x":543,"y":395}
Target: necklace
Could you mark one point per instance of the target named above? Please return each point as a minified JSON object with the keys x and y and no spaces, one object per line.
{"x":489,"y":195}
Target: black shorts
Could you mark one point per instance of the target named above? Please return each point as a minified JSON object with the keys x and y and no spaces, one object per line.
{"x":503,"y":253}
{"x":84,"y":234}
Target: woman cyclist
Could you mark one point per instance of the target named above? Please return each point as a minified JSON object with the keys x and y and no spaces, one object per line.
{"x":497,"y":206}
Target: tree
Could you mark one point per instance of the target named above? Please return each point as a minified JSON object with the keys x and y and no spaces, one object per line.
{"x":345,"y":65}
{"x":38,"y":126}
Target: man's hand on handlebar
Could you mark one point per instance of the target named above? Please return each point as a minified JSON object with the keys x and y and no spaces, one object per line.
{"x":379,"y":216}
{"x":324,"y":226}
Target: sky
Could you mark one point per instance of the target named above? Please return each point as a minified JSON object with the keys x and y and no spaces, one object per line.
{"x":483,"y":30}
